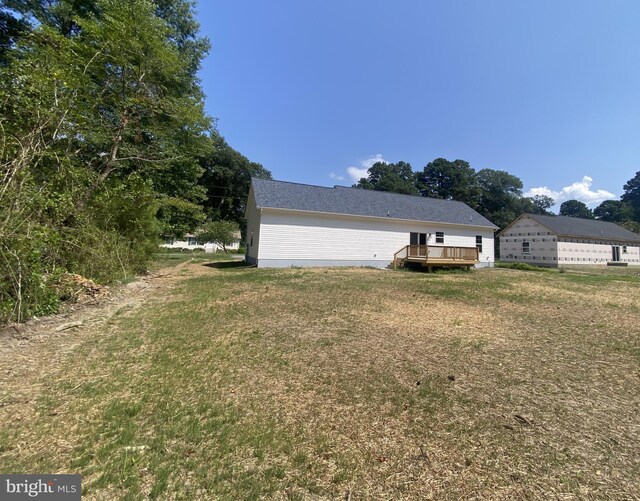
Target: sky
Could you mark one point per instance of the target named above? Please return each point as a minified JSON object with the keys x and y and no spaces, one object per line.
{"x":317,"y":91}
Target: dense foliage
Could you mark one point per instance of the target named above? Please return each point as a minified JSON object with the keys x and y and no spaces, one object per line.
{"x":496,"y":194}
{"x":398,"y":178}
{"x":575,"y":208}
{"x":226,"y":179}
{"x":625,"y":211}
{"x":103,"y":141}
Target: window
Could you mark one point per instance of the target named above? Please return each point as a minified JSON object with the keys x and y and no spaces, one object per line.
{"x":525,"y":247}
{"x":624,"y":249}
{"x":417,"y":238}
{"x":251,"y":242}
{"x":191,"y":241}
{"x":479,"y":243}
{"x":439,"y":237}
{"x":168,"y":241}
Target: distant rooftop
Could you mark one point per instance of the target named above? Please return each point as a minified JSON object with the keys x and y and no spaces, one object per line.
{"x":358,"y":202}
{"x":592,"y":228}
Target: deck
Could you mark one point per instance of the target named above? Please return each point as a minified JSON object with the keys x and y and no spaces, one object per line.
{"x":436,"y":255}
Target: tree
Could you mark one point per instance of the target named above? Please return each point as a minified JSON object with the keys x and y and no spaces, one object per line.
{"x":542,"y":203}
{"x":575,"y":208}
{"x":538,"y":204}
{"x":126,"y":82}
{"x":631,"y":195}
{"x":614,"y":211}
{"x":11,"y":28}
{"x":501,"y":196}
{"x":226,"y":180}
{"x":632,"y":226}
{"x":102,"y":124}
{"x":220,"y":232}
{"x":396,"y":178}
{"x":449,"y":180}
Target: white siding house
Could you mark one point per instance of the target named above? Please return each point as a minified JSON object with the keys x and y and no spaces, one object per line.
{"x":567,"y":241}
{"x":291,"y":224}
{"x":190,"y":242}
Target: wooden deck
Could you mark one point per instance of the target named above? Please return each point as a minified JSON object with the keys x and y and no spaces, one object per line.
{"x":436,"y":255}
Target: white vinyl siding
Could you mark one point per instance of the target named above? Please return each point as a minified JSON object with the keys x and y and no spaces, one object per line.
{"x":290,"y":235}
{"x":252,"y":237}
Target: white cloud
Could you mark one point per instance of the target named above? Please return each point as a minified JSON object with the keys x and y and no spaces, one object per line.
{"x":357,"y":173}
{"x":580,"y":190}
{"x":369,"y":161}
{"x":337,"y":177}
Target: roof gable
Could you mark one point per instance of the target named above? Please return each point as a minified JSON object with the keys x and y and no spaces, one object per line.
{"x":358,"y":202}
{"x":578,"y":227}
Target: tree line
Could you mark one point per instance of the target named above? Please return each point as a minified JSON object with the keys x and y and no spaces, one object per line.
{"x":495,"y":194}
{"x":104,"y":143}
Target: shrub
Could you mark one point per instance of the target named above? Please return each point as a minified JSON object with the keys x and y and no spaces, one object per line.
{"x":521,"y":266}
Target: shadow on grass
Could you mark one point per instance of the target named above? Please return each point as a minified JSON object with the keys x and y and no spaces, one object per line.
{"x":224,"y":265}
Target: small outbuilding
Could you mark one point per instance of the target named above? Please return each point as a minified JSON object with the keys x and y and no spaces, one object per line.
{"x":291,"y":224}
{"x":565,"y":241}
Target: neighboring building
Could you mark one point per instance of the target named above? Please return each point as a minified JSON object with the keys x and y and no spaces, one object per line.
{"x":290,"y":224}
{"x":190,"y":242}
{"x":562,"y":240}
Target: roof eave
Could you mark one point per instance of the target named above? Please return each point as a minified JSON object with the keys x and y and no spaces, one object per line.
{"x":388,"y":218}
{"x":618,"y":239}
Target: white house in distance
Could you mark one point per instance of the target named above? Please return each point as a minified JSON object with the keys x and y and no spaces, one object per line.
{"x":290,"y":224}
{"x":189,"y":242}
{"x":564,"y":241}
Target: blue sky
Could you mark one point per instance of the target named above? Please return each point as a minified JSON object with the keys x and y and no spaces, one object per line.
{"x":546,"y":90}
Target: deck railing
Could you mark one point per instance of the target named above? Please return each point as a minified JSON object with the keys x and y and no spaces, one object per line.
{"x":433,"y":254}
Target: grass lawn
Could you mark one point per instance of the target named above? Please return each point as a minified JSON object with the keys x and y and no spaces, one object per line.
{"x":168,"y":259}
{"x":239,"y":383}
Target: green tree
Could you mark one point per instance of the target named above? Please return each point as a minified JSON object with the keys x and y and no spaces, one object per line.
{"x":451,"y":180}
{"x":11,"y":28}
{"x":501,"y":196}
{"x":394,"y":177}
{"x":632,"y":226}
{"x":226,"y":179}
{"x":631,"y":195}
{"x":614,"y":211}
{"x":538,"y":204}
{"x":126,"y":82}
{"x":575,"y":208}
{"x":221,"y":232}
{"x":102,"y":124}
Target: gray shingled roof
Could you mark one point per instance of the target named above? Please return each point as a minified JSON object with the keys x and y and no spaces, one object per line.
{"x":592,"y":228}
{"x":358,"y":202}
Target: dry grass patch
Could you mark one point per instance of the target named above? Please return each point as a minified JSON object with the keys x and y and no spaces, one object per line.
{"x":244,"y":384}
